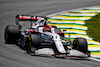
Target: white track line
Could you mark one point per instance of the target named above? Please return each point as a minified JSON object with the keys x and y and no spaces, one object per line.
{"x":69,"y":10}
{"x":94,"y":59}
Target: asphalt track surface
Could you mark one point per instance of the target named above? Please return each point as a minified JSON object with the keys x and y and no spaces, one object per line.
{"x":12,"y":55}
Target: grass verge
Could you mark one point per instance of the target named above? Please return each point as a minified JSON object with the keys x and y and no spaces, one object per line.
{"x":94,"y":27}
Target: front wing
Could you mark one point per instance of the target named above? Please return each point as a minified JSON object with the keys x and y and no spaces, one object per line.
{"x":50,"y":52}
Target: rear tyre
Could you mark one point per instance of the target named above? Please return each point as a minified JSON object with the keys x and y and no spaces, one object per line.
{"x":12,"y":33}
{"x":80,"y":44}
{"x":32,"y":41}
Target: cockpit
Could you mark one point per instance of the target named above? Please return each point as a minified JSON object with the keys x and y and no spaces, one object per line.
{"x":46,"y":30}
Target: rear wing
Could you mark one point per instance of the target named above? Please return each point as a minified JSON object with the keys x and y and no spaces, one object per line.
{"x":28,"y":18}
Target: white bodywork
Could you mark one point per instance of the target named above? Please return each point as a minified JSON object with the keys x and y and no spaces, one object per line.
{"x":56,"y":38}
{"x":57,"y":41}
{"x":44,"y":51}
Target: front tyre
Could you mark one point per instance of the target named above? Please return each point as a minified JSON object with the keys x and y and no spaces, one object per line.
{"x":32,"y":41}
{"x":80,"y":44}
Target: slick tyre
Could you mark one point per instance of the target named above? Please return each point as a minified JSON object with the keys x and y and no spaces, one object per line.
{"x":36,"y":41}
{"x":80,"y":44}
{"x":12,"y":33}
{"x":32,"y":41}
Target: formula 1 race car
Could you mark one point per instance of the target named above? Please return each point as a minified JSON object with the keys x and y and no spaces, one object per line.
{"x":38,"y":38}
